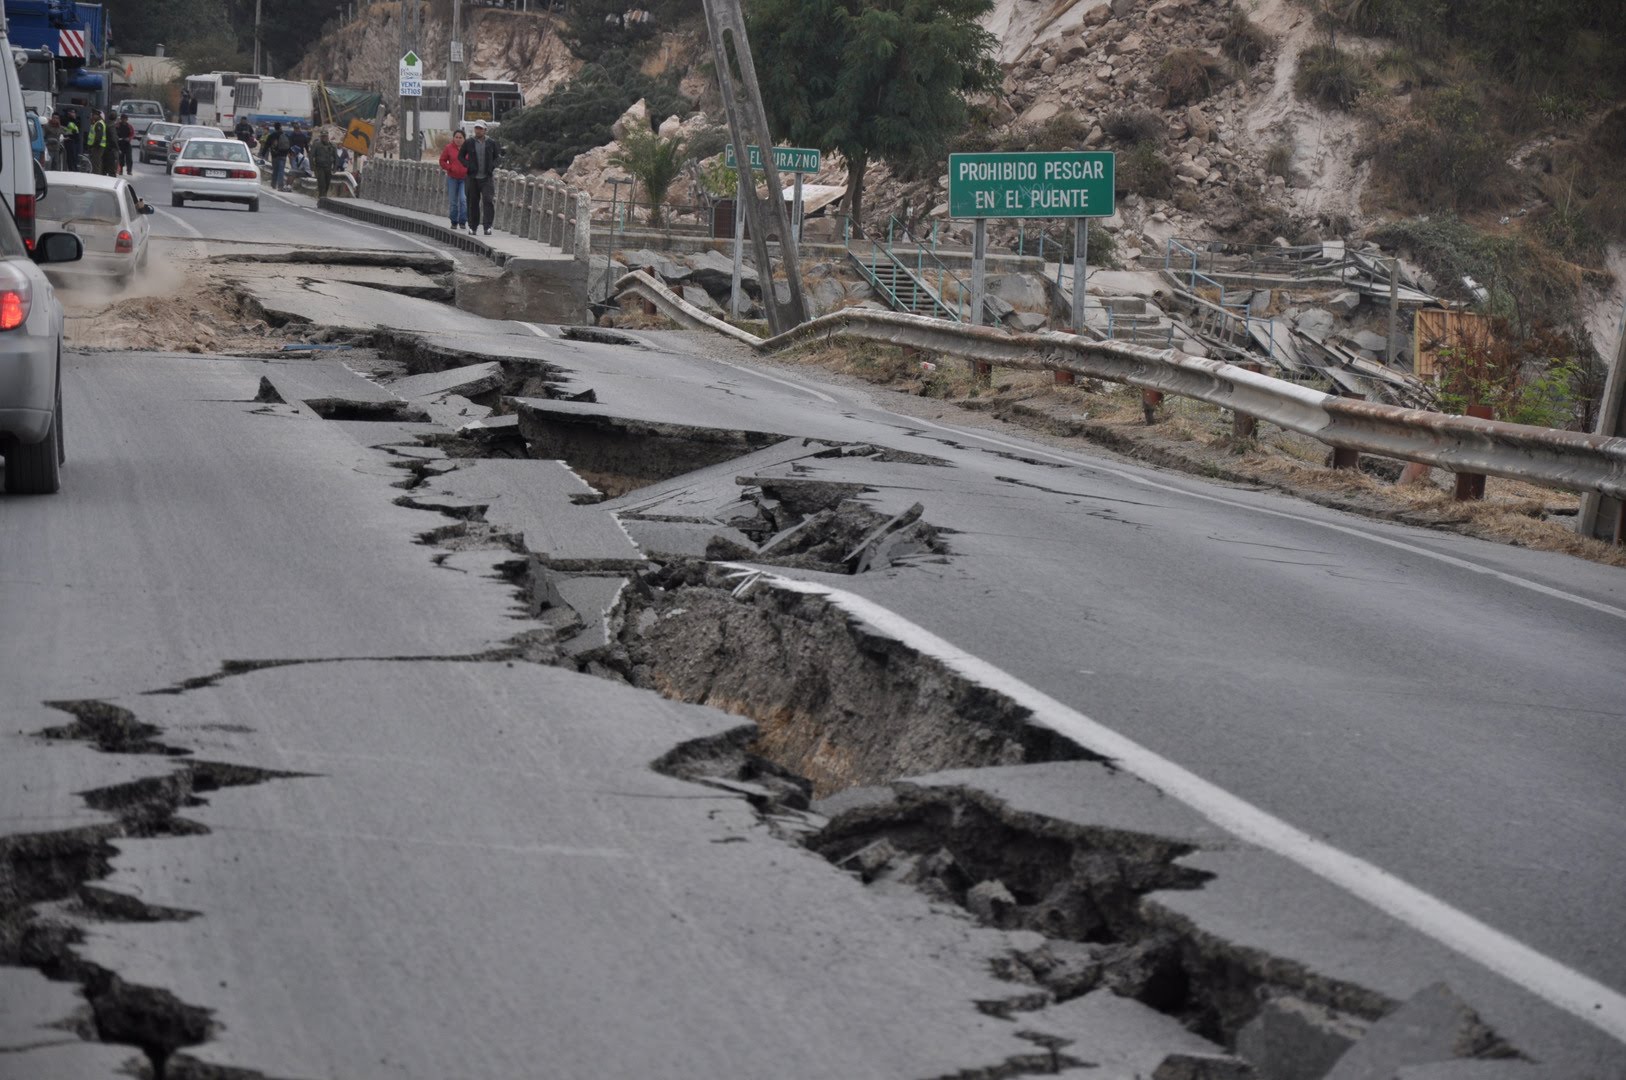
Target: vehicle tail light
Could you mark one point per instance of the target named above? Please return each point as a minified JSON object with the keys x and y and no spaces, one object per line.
{"x":125,"y":244}
{"x":15,"y":297}
{"x":186,"y":170}
{"x":244,"y":174}
{"x":25,"y":219}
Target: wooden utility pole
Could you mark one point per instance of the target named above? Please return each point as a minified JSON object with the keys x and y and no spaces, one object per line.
{"x":1601,"y":516}
{"x":748,"y":126}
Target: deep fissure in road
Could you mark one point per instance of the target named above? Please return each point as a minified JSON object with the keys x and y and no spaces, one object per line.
{"x":835,"y":705}
{"x":46,"y":882}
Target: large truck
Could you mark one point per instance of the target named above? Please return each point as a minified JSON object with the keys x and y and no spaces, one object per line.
{"x":76,"y":36}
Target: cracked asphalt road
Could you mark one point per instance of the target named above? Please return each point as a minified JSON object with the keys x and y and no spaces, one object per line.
{"x":476,"y":873}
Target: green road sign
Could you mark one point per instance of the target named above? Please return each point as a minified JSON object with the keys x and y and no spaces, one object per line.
{"x":793,"y":159}
{"x":1065,"y":183}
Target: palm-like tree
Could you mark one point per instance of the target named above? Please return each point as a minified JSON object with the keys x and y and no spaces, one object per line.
{"x":654,"y":162}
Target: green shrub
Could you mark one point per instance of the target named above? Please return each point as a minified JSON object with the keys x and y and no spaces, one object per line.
{"x":1440,"y":153}
{"x":1244,"y":41}
{"x":1134,"y":126}
{"x":1066,"y":130}
{"x":1189,"y":75}
{"x":1144,"y":170}
{"x":1330,"y":77}
{"x":577,"y":116}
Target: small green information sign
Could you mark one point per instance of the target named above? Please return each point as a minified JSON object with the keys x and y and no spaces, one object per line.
{"x":1066,"y":183}
{"x":792,"y":159}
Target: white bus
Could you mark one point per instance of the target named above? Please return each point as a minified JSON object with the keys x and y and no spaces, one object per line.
{"x":483,"y":99}
{"x":214,"y":94}
{"x":261,"y":99}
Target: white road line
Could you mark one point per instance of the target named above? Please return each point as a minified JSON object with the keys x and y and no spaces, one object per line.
{"x":821,"y":395}
{"x":1450,"y":560}
{"x":535,"y":329}
{"x":289,"y":201}
{"x":1554,"y":982}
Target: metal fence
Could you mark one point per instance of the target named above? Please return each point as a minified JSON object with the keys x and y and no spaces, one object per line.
{"x":544,"y":210}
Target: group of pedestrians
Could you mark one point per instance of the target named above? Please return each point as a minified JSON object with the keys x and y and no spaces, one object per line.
{"x":470,"y":166}
{"x":61,"y":143}
{"x":292,"y":153}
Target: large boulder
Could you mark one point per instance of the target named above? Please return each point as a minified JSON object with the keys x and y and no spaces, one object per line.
{"x":1025,"y":292}
{"x":665,"y":268}
{"x":635,"y":118}
{"x":714,"y":272}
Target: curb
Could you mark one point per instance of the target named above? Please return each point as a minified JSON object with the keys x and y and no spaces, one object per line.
{"x":440,"y":233}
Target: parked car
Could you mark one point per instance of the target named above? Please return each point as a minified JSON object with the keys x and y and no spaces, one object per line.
{"x":106,"y":215}
{"x":154,"y":144}
{"x":142,"y":113}
{"x":217,"y":169}
{"x":190,"y":131}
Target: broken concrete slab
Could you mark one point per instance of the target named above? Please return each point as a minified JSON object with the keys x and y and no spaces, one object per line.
{"x":536,"y":498}
{"x":1345,"y":302}
{"x":1293,"y":1039}
{"x":452,"y":410}
{"x":621,"y":450}
{"x":1316,"y":322}
{"x":301,"y":381}
{"x":1433,"y":1026}
{"x":681,"y":538}
{"x":469,"y":381}
{"x":593,"y":597}
{"x":427,"y":262}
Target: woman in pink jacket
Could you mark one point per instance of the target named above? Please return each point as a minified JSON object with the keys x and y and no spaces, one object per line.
{"x":456,"y":173}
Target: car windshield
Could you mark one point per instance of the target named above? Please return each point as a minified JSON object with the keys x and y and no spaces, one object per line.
{"x":216,"y":151}
{"x":143,"y":108}
{"x":68,"y":203}
{"x":162,"y":130}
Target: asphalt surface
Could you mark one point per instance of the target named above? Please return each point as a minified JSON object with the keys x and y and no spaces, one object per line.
{"x":468,"y":847}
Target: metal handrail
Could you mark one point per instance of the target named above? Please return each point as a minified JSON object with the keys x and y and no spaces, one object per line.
{"x":944,"y":274}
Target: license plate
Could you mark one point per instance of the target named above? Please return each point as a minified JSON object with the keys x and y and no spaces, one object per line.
{"x":214,"y":172}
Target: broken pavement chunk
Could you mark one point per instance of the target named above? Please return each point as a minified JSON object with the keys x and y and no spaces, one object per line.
{"x":1434,"y":1025}
{"x":469,"y":381}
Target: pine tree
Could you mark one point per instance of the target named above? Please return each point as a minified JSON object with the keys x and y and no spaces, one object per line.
{"x":875,"y":79}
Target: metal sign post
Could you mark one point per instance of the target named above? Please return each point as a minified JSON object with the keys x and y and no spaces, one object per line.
{"x":1081,"y":271}
{"x":979,"y":269}
{"x":736,"y":302}
{"x":1058,"y":184}
{"x":411,"y":91}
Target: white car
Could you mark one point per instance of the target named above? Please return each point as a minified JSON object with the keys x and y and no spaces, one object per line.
{"x":105,"y":214}
{"x":178,"y":138}
{"x":220,"y":170}
{"x":31,"y":322}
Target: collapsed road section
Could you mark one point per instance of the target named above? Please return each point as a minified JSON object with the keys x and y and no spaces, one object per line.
{"x":764,"y":818}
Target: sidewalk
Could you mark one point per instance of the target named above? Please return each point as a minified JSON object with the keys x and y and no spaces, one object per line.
{"x":504,"y":249}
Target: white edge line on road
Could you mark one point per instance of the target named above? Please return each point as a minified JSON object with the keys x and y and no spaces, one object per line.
{"x":821,"y":395}
{"x":1450,"y":560}
{"x":284,"y":199}
{"x":535,"y":329}
{"x":1541,"y":975}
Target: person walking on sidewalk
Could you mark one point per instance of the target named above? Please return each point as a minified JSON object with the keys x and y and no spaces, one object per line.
{"x":54,"y":133}
{"x":324,"y":157}
{"x":188,"y":109}
{"x":457,"y":173}
{"x":480,"y":156}
{"x":277,"y":146}
{"x":124,"y":135}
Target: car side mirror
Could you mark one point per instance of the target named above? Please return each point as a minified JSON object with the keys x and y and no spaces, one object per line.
{"x":41,"y":188}
{"x":58,"y":247}
{"x":148,"y":208}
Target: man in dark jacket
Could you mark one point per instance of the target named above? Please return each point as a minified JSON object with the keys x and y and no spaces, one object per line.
{"x":276,"y":147}
{"x":72,"y":141}
{"x":245,"y":133}
{"x":188,"y":109}
{"x":324,"y":156}
{"x":480,"y":156}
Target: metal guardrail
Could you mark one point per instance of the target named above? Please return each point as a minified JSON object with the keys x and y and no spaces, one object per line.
{"x":543,"y":210}
{"x":1462,"y":444}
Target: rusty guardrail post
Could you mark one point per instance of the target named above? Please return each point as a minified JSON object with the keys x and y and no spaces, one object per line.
{"x":1243,"y":425}
{"x":1471,"y":486}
